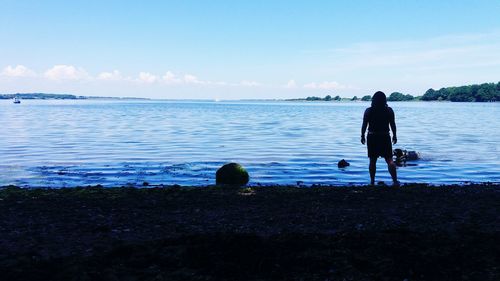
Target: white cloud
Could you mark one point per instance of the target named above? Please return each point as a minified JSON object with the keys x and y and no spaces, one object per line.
{"x":115,"y":75}
{"x":291,"y":84}
{"x":412,"y":66}
{"x":18,"y":71}
{"x":171,"y":78}
{"x":63,"y":72}
{"x":326,"y":85}
{"x":191,"y":79}
{"x":147,"y":77}
{"x":66,"y":72}
{"x":445,"y":52}
{"x":220,"y":83}
{"x":247,"y":83}
{"x":187,"y":79}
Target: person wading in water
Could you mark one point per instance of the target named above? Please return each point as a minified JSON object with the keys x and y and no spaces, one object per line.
{"x":378,"y":118}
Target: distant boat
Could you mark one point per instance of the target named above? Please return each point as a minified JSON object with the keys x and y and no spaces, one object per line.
{"x":16,"y":100}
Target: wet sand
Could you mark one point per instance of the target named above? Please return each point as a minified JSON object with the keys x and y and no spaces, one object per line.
{"x":413,"y":232}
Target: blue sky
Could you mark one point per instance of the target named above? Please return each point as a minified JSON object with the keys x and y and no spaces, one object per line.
{"x":246,"y":49}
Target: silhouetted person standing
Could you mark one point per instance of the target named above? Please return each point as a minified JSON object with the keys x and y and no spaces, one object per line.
{"x":378,"y":118}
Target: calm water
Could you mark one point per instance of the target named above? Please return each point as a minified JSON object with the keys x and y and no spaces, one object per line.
{"x":113,"y":143}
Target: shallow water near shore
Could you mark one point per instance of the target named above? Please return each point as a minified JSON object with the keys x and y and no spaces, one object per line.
{"x":50,"y":143}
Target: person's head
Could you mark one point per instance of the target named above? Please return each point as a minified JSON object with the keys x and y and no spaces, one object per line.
{"x":379,"y":99}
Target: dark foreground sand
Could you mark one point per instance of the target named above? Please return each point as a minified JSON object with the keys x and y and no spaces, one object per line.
{"x":289,"y":233}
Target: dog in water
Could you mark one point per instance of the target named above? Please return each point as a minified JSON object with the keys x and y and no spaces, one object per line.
{"x":342,"y":164}
{"x":402,"y":155}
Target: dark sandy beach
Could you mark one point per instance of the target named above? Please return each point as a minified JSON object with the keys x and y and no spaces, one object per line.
{"x":413,"y":232}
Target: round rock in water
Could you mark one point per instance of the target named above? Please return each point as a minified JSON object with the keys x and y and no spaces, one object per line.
{"x":232,"y":174}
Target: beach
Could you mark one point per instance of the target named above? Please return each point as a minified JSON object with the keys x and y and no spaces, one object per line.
{"x":413,"y":232}
{"x":236,"y":140}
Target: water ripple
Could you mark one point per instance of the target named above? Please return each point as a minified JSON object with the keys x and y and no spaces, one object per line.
{"x":70,"y":143}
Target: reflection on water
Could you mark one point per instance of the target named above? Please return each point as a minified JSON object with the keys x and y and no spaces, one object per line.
{"x":69,"y":143}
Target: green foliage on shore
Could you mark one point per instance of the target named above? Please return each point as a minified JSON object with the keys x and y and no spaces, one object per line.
{"x":326,"y":98}
{"x":472,"y":93}
{"x":486,"y":92}
{"x":397,"y":96}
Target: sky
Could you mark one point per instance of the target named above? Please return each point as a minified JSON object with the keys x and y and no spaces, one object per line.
{"x":246,"y":49}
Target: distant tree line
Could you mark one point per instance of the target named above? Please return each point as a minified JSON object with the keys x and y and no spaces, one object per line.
{"x":397,"y":96}
{"x":31,"y":96}
{"x":487,"y":92}
{"x":326,"y":98}
{"x":45,"y":96}
{"x":479,"y":93}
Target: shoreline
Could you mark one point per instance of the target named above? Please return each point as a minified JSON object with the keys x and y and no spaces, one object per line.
{"x":417,"y":232}
{"x":299,"y":184}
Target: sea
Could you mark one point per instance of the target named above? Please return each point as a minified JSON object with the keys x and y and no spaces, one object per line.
{"x":68,"y":143}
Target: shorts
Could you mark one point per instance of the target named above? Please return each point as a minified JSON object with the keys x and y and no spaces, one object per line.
{"x":379,"y":145}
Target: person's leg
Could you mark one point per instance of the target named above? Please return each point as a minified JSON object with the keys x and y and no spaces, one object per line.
{"x":392,"y":169}
{"x":373,"y":169}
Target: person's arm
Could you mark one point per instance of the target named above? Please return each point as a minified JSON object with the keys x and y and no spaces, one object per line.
{"x":392,"y":123}
{"x":363,"y":127}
